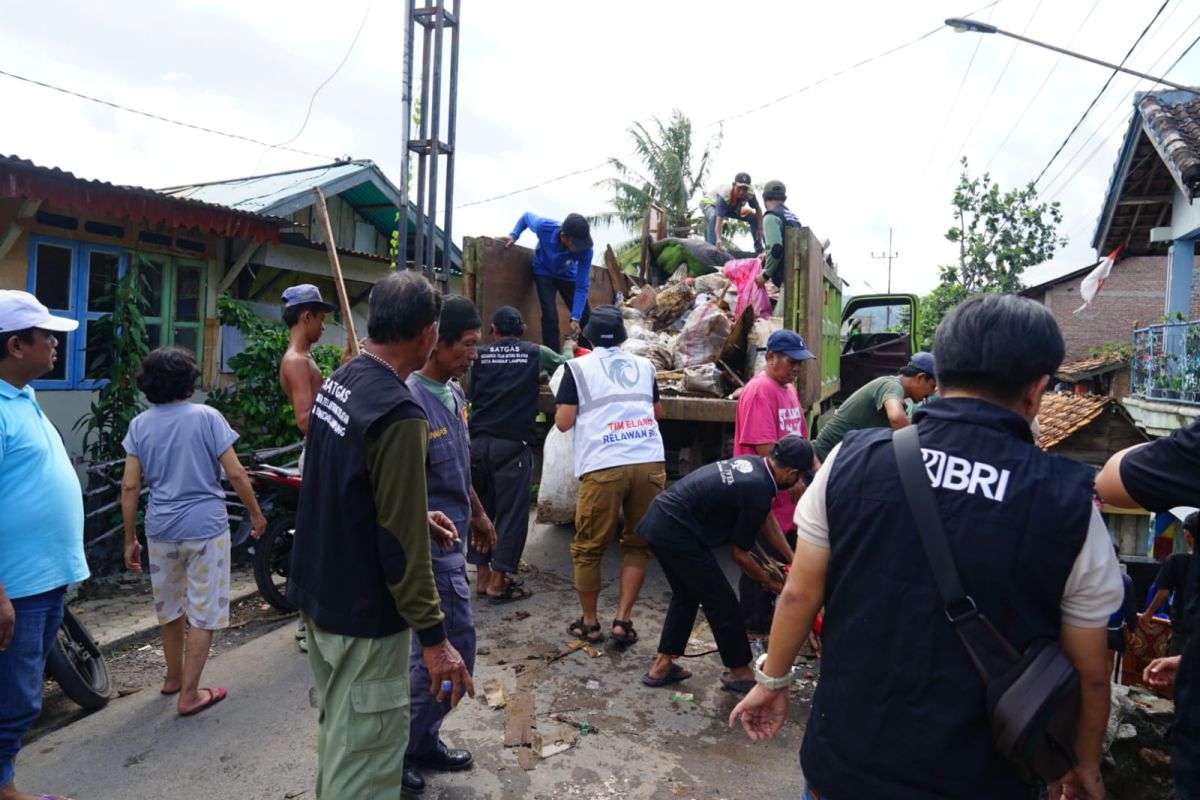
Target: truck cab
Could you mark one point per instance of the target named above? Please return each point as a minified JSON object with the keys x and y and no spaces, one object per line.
{"x":877,"y":339}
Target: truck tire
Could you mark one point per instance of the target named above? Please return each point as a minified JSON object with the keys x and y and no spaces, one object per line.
{"x":272,"y":557}
{"x":77,"y":665}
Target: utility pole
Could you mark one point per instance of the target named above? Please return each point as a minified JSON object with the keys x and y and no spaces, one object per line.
{"x":889,"y":255}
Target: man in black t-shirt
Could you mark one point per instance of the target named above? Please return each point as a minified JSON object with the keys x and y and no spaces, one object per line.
{"x":1172,"y":580}
{"x":729,"y":501}
{"x":1159,"y":476}
{"x":503,"y":423}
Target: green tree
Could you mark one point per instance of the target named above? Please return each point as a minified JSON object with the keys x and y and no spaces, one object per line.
{"x":670,"y":175}
{"x":999,"y":234}
{"x":123,"y":332}
{"x":254,"y":404}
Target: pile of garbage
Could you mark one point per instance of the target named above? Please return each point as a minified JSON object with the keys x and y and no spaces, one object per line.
{"x":705,"y":335}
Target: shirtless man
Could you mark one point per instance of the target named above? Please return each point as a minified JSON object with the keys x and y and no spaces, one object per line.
{"x":304,"y":313}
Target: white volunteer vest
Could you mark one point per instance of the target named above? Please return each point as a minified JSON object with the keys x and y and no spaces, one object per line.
{"x":615,"y":424}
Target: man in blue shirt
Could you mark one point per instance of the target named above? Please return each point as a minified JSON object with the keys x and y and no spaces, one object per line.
{"x":562,"y":265}
{"x":41,"y":530}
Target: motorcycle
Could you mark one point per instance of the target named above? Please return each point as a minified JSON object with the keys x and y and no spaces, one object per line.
{"x":76,"y":664}
{"x":278,"y":493}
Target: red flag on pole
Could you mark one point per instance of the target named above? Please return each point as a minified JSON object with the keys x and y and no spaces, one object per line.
{"x":1095,"y":279}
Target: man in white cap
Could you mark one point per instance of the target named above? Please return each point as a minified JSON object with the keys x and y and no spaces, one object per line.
{"x":41,"y":530}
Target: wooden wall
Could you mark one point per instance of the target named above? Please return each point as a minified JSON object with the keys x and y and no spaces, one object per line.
{"x":498,"y":276}
{"x":1095,"y":442}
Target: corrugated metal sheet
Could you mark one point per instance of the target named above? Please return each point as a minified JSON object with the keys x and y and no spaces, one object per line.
{"x":21,"y":178}
{"x":266,"y":193}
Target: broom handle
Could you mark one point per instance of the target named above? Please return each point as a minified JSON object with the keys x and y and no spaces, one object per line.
{"x":336,"y":267}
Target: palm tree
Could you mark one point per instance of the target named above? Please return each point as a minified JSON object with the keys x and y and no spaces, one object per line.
{"x":667,"y":176}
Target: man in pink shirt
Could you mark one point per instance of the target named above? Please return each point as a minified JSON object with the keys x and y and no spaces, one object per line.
{"x":768,"y":410}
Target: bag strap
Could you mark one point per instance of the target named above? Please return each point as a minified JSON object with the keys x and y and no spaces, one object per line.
{"x":913,"y":477}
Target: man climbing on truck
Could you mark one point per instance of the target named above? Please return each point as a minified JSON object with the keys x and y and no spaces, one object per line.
{"x":562,"y":266}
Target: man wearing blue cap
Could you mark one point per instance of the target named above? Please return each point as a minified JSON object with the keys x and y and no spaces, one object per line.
{"x":767,"y":410}
{"x":880,"y":403}
{"x":300,"y":378}
{"x":304,"y":313}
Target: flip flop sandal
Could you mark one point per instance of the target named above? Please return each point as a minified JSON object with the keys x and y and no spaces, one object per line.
{"x":741,"y":687}
{"x":585,"y":632}
{"x":215,"y":695}
{"x":676,"y":675}
{"x":511,"y":593}
{"x":514,"y":582}
{"x":629,"y":637}
{"x":164,"y":691}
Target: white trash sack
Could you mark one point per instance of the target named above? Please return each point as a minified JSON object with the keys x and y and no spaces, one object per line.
{"x":558,"y":492}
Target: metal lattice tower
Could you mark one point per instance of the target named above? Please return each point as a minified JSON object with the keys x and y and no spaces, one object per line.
{"x":434,"y":18}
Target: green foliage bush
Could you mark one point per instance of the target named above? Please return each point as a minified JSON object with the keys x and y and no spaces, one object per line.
{"x":255,"y":405}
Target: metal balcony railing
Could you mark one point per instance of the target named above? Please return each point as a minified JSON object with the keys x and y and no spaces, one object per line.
{"x":1166,"y":362}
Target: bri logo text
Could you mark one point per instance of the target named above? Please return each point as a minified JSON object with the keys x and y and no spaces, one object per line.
{"x":959,"y":475}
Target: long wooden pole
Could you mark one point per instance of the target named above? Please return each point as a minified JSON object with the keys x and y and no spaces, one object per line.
{"x":336,"y":267}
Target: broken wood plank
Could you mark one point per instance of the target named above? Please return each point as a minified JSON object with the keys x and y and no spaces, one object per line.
{"x":615,"y":274}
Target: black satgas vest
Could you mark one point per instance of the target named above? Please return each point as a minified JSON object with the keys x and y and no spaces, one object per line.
{"x":900,"y":711}
{"x":504,"y":390}
{"x":786,"y":216}
{"x":336,"y":576}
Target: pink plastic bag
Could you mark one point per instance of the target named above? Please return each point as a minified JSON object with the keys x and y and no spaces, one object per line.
{"x":742,"y":272}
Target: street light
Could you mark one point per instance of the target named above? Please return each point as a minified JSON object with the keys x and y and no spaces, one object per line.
{"x":970,"y":25}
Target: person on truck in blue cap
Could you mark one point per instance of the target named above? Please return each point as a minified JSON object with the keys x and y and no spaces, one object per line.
{"x":562,"y":266}
{"x":880,"y":403}
{"x":732,"y":201}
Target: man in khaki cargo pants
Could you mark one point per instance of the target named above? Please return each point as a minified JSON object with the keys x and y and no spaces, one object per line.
{"x":610,"y":398}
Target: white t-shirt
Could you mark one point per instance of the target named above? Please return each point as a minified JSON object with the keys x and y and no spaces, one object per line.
{"x":1094,"y":589}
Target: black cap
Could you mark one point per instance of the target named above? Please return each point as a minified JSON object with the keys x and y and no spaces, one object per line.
{"x":742,"y":178}
{"x":774,"y":190}
{"x":576,"y":228}
{"x":605,"y":326}
{"x":793,"y":451}
{"x":508,"y":321}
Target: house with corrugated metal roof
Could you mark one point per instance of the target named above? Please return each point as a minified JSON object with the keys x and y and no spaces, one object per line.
{"x":364,"y":208}
{"x":66,"y":239}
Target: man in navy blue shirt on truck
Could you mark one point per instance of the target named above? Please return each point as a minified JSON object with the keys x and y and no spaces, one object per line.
{"x":562,"y":265}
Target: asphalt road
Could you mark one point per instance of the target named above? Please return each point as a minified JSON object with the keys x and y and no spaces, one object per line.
{"x":261,"y":742}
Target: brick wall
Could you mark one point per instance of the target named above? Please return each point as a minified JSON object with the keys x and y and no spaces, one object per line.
{"x":1134,"y":292}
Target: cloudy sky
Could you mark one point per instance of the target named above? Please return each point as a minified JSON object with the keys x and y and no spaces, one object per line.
{"x":549,"y":87}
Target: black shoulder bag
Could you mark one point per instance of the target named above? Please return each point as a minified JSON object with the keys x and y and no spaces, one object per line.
{"x":1033,"y":699}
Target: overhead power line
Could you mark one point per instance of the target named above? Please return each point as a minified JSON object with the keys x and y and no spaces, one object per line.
{"x":738,"y":115}
{"x":323,"y":84}
{"x":1012,"y":54}
{"x":1045,"y":80}
{"x":1103,"y":89}
{"x":160,"y":118}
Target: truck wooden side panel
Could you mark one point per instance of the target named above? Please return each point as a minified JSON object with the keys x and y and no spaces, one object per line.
{"x":495,"y":275}
{"x":812,"y":306}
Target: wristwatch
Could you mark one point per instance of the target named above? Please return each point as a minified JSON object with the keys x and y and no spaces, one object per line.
{"x":774,"y":684}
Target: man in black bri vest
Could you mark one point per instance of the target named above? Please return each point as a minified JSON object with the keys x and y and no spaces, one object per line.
{"x":361,"y":571}
{"x":900,"y":710}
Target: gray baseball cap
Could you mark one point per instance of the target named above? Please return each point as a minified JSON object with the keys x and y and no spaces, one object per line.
{"x":303,"y":294}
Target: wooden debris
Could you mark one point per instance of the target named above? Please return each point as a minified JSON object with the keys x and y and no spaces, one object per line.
{"x":496,"y":695}
{"x":554,"y":742}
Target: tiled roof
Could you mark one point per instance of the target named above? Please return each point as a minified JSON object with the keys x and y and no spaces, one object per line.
{"x":1088,"y":367}
{"x":1063,"y":414}
{"x":1173,"y":123}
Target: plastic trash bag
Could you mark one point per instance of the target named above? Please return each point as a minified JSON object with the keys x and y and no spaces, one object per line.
{"x":742,"y":272}
{"x":703,"y":335}
{"x":558,"y":492}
